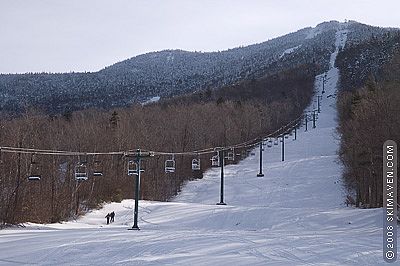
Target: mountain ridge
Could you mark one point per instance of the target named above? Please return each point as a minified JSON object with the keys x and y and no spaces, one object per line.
{"x":169,"y":73}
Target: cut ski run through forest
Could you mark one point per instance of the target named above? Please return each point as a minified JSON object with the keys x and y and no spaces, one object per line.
{"x":294,"y":215}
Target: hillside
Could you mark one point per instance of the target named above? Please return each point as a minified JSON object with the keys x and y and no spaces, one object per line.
{"x":173,"y":72}
{"x":294,"y":215}
{"x":368,"y":106}
{"x":365,"y":60}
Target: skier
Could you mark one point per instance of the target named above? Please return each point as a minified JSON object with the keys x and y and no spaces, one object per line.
{"x":108,"y":218}
{"x":112,"y":215}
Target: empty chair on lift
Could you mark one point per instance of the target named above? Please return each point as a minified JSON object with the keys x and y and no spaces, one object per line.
{"x":286,"y":136}
{"x":170,"y":165}
{"x":34,"y":170}
{"x":81,"y":171}
{"x":230,"y":155}
{"x":196,"y":164}
{"x":132,"y":167}
{"x":276,"y":141}
{"x":269,"y":143}
{"x":215,"y":161}
{"x":97,"y":169}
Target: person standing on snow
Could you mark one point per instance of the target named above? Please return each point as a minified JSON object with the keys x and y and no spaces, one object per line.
{"x":112,"y":215}
{"x":108,"y":218}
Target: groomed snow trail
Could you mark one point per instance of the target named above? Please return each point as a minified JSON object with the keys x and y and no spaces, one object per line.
{"x":294,"y":215}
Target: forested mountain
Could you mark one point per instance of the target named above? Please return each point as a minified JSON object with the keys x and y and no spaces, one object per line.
{"x":225,"y":98}
{"x":368,"y":107}
{"x":363,"y":60}
{"x":173,"y":72}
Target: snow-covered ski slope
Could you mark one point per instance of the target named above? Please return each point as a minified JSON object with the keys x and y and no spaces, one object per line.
{"x":294,"y":215}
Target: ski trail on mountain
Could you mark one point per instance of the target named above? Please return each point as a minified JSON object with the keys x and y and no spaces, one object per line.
{"x":310,"y":165}
{"x":294,"y":215}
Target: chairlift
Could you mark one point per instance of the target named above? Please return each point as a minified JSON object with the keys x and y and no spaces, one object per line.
{"x":276,"y":141}
{"x":196,"y":164}
{"x":231,"y":155}
{"x":97,"y":168}
{"x":286,"y":136}
{"x":132,"y":167}
{"x":250,"y":152}
{"x":264,"y":142}
{"x":269,"y":143}
{"x":81,"y":171}
{"x":170,"y":165}
{"x":215,"y":160}
{"x":34,"y":170}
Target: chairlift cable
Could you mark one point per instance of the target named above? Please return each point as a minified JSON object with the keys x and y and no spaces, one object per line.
{"x":246,"y":144}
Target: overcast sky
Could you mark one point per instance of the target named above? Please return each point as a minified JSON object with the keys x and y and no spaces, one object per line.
{"x":87,"y":35}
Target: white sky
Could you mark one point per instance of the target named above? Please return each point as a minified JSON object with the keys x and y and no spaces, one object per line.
{"x":87,"y":35}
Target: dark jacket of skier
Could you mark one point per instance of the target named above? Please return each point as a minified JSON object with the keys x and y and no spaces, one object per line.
{"x":112,"y":215}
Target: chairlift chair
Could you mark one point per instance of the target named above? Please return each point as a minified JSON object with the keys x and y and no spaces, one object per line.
{"x":132,"y":167}
{"x":170,"y":165}
{"x":276,"y":141}
{"x":269,"y":143}
{"x":97,"y":169}
{"x":230,"y":155}
{"x":215,"y":161}
{"x":81,"y":171}
{"x":34,"y":170}
{"x":286,"y":136}
{"x":264,"y":142}
{"x":196,"y":164}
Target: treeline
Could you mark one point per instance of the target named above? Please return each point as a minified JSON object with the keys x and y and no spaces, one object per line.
{"x":360,"y":60}
{"x":293,"y":84}
{"x":173,"y":126}
{"x":368,"y":117}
